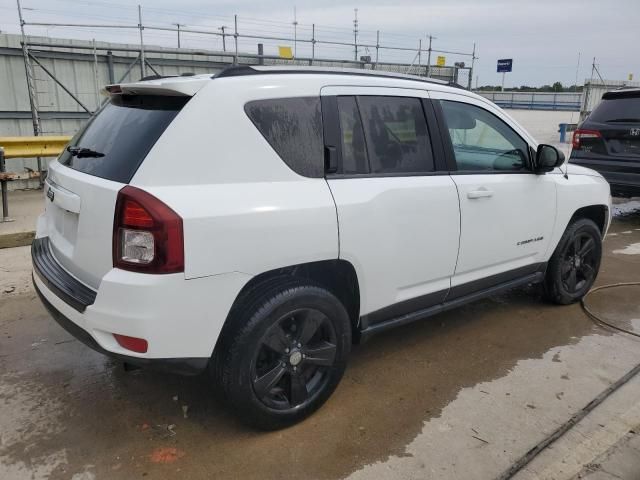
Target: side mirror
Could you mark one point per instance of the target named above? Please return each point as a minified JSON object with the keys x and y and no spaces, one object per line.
{"x":548,"y":157}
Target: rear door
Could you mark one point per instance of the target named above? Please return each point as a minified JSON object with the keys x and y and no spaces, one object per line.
{"x":398,"y":214}
{"x":507,"y":211}
{"x":82,"y":185}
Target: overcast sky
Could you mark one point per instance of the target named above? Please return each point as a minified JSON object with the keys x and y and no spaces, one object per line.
{"x":543,"y":37}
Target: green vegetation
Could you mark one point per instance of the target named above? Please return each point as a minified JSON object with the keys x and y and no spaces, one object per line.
{"x":556,"y":87}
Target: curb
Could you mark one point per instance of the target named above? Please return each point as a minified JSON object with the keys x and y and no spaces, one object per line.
{"x":20,"y":239}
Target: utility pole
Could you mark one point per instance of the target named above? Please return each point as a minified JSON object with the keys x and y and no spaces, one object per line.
{"x":355,"y":32}
{"x":178,"y":25}
{"x":575,"y":84}
{"x":295,"y":33}
{"x":224,"y":44}
{"x":313,"y":42}
{"x":473,"y":61}
{"x":377,"y":48}
{"x":143,"y":67}
{"x":235,"y":38}
{"x":431,"y":37}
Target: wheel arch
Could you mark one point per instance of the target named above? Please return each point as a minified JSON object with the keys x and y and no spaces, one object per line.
{"x":337,"y":276}
{"x":599,"y":214}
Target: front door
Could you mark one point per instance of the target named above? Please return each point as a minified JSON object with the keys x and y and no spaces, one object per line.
{"x":507,"y":212}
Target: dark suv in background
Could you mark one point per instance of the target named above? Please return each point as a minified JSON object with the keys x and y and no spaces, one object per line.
{"x":609,"y":141}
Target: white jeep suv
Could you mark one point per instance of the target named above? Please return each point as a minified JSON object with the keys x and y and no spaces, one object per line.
{"x":256,"y":223}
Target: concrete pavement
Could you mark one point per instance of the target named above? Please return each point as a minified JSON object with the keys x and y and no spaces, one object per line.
{"x":461,"y":395}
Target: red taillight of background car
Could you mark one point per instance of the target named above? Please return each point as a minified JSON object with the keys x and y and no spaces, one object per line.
{"x":147,"y":234}
{"x":580,"y":135}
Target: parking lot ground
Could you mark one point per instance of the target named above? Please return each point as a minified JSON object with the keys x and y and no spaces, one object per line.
{"x":460,"y":395}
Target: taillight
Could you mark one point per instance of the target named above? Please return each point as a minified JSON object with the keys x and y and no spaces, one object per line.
{"x":580,"y":135}
{"x":147,"y":234}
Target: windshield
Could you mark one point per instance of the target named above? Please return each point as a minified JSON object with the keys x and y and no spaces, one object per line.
{"x":115,"y":141}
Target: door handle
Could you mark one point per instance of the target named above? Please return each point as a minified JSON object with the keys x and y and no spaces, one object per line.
{"x":482,"y":192}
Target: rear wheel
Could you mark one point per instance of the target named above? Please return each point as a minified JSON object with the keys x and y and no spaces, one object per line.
{"x":284,"y":353}
{"x":575,"y":263}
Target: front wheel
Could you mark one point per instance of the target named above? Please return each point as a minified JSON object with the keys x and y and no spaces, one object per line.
{"x":284,"y":353}
{"x":575,"y":263}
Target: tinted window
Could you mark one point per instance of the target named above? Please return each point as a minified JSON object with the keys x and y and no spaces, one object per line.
{"x":617,"y":110}
{"x":354,"y":154}
{"x":481,"y":141}
{"x":396,"y":133}
{"x":293,"y":127}
{"x":122,"y":133}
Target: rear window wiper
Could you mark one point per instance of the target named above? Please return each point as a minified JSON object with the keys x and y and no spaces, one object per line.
{"x":82,"y":152}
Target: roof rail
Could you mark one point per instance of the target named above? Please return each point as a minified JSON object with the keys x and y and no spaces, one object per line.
{"x":242,"y":70}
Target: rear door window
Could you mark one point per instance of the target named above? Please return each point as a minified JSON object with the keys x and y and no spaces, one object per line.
{"x":293,"y":128}
{"x":396,"y":132}
{"x":116,"y":140}
{"x":384,"y":135}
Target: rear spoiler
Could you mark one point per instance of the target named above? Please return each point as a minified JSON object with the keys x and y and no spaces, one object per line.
{"x":183,"y":86}
{"x":628,"y":92}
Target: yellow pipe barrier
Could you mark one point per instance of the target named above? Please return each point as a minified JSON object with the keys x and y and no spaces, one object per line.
{"x":25,"y":147}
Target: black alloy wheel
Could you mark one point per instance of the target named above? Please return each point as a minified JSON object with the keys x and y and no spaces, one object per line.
{"x":293,"y":360}
{"x":574,"y":265}
{"x":282,"y":351}
{"x":579,"y":263}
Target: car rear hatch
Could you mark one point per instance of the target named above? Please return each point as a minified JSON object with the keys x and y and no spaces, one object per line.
{"x":617,"y":119}
{"x":83,"y":184}
{"x":609,"y":139}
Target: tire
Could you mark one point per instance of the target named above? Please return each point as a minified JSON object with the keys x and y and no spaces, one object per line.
{"x":282,"y":353}
{"x":569,"y":276}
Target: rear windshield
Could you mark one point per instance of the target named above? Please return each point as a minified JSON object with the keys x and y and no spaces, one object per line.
{"x":119,"y":136}
{"x":617,"y":110}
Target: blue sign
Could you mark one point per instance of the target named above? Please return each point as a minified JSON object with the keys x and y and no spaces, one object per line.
{"x":505,"y":65}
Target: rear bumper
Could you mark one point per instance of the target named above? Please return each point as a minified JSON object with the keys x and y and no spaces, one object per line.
{"x":182,"y":366}
{"x":62,"y":283}
{"x":180,"y":319}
